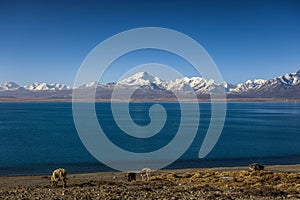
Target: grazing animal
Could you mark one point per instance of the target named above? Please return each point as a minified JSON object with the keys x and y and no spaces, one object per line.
{"x":131,"y":176}
{"x":145,"y":174}
{"x":59,"y":175}
{"x":256,"y":167}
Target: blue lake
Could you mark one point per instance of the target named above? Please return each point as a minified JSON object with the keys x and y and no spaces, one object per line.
{"x":36,"y":138}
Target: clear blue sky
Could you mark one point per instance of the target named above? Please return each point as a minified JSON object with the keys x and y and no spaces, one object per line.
{"x":48,"y":40}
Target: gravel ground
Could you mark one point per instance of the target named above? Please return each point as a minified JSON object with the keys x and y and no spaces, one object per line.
{"x":276,"y":182}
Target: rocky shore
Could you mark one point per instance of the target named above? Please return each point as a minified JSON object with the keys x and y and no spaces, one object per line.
{"x":275,"y":182}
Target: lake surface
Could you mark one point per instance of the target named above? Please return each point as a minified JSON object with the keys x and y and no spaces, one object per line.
{"x":36,"y":138}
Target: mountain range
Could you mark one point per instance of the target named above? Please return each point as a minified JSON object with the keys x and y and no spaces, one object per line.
{"x":152,"y":87}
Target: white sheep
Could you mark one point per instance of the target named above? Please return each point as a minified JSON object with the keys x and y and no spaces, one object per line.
{"x":59,"y":175}
{"x":256,"y":167}
{"x":145,"y":174}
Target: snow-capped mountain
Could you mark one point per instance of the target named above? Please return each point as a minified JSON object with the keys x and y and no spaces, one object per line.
{"x":286,"y":86}
{"x":290,"y":79}
{"x":248,"y":85}
{"x":185,"y":84}
{"x":194,"y":84}
{"x":45,"y":86}
{"x":283,"y":86}
{"x":93,"y":84}
{"x":142,"y":79}
{"x":286,"y":81}
{"x":9,"y":86}
{"x":180,"y":84}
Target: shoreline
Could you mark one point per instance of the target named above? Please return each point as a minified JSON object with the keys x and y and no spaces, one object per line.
{"x":274,"y":182}
{"x":277,"y":168}
{"x":54,"y":100}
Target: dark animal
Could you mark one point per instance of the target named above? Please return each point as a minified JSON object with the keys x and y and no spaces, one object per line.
{"x":131,"y":176}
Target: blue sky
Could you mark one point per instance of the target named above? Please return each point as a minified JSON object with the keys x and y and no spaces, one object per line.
{"x":46,"y":41}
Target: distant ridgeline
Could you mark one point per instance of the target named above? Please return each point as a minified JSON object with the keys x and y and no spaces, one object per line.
{"x":153,"y":88}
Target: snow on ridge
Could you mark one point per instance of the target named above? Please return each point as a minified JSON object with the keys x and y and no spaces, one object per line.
{"x":93,"y":84}
{"x":185,"y":84}
{"x":248,"y":85}
{"x":290,"y":79}
{"x":287,"y":79}
{"x":180,"y":84}
{"x":194,"y":84}
{"x":9,"y":86}
{"x":142,"y":79}
{"x":44,"y":86}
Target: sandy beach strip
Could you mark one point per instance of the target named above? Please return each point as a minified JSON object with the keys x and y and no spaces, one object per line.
{"x":275,"y":182}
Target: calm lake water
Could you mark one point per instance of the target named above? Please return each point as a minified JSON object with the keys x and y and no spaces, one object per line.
{"x":36,"y":138}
